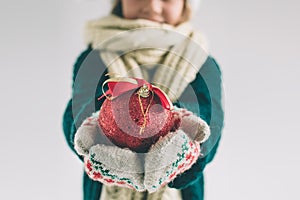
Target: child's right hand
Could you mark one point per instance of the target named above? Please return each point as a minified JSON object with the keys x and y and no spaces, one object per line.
{"x":105,"y":162}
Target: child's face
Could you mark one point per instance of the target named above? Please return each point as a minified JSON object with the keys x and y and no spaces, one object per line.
{"x":163,"y":11}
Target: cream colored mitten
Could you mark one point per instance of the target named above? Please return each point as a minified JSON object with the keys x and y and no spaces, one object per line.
{"x":112,"y":165}
{"x":105,"y":162}
{"x":176,"y":152}
{"x":195,"y":127}
{"x":170,"y":156}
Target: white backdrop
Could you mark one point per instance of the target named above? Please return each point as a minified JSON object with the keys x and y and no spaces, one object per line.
{"x":255,"y":42}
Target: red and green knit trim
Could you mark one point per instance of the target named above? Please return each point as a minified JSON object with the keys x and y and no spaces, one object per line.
{"x":185,"y":160}
{"x":190,"y":152}
{"x":97,"y":171}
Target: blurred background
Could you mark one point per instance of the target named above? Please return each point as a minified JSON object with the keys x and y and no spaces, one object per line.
{"x":255,"y":42}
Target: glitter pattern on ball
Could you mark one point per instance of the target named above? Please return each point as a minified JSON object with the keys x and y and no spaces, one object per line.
{"x":122,"y":119}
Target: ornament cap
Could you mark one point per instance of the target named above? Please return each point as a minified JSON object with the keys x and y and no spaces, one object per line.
{"x":134,"y":83}
{"x":144,"y":91}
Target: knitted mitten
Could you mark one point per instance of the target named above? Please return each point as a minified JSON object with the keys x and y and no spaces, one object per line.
{"x":88,"y":135}
{"x":105,"y":162}
{"x":170,"y":156}
{"x":112,"y":165}
{"x":195,"y":127}
{"x":176,"y":152}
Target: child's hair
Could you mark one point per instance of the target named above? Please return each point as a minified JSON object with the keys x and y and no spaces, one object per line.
{"x":186,"y":13}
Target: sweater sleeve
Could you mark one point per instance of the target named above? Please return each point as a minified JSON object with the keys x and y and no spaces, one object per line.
{"x":88,"y":76}
{"x":208,"y":105}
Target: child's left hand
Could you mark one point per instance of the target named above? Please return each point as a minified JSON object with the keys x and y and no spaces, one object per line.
{"x":176,"y":152}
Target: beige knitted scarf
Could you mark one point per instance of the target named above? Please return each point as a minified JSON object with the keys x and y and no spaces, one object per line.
{"x":164,"y":55}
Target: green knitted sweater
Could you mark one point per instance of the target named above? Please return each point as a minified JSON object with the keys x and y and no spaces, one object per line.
{"x":88,"y":76}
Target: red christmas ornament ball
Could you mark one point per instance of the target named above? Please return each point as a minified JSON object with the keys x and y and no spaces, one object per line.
{"x":133,"y":121}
